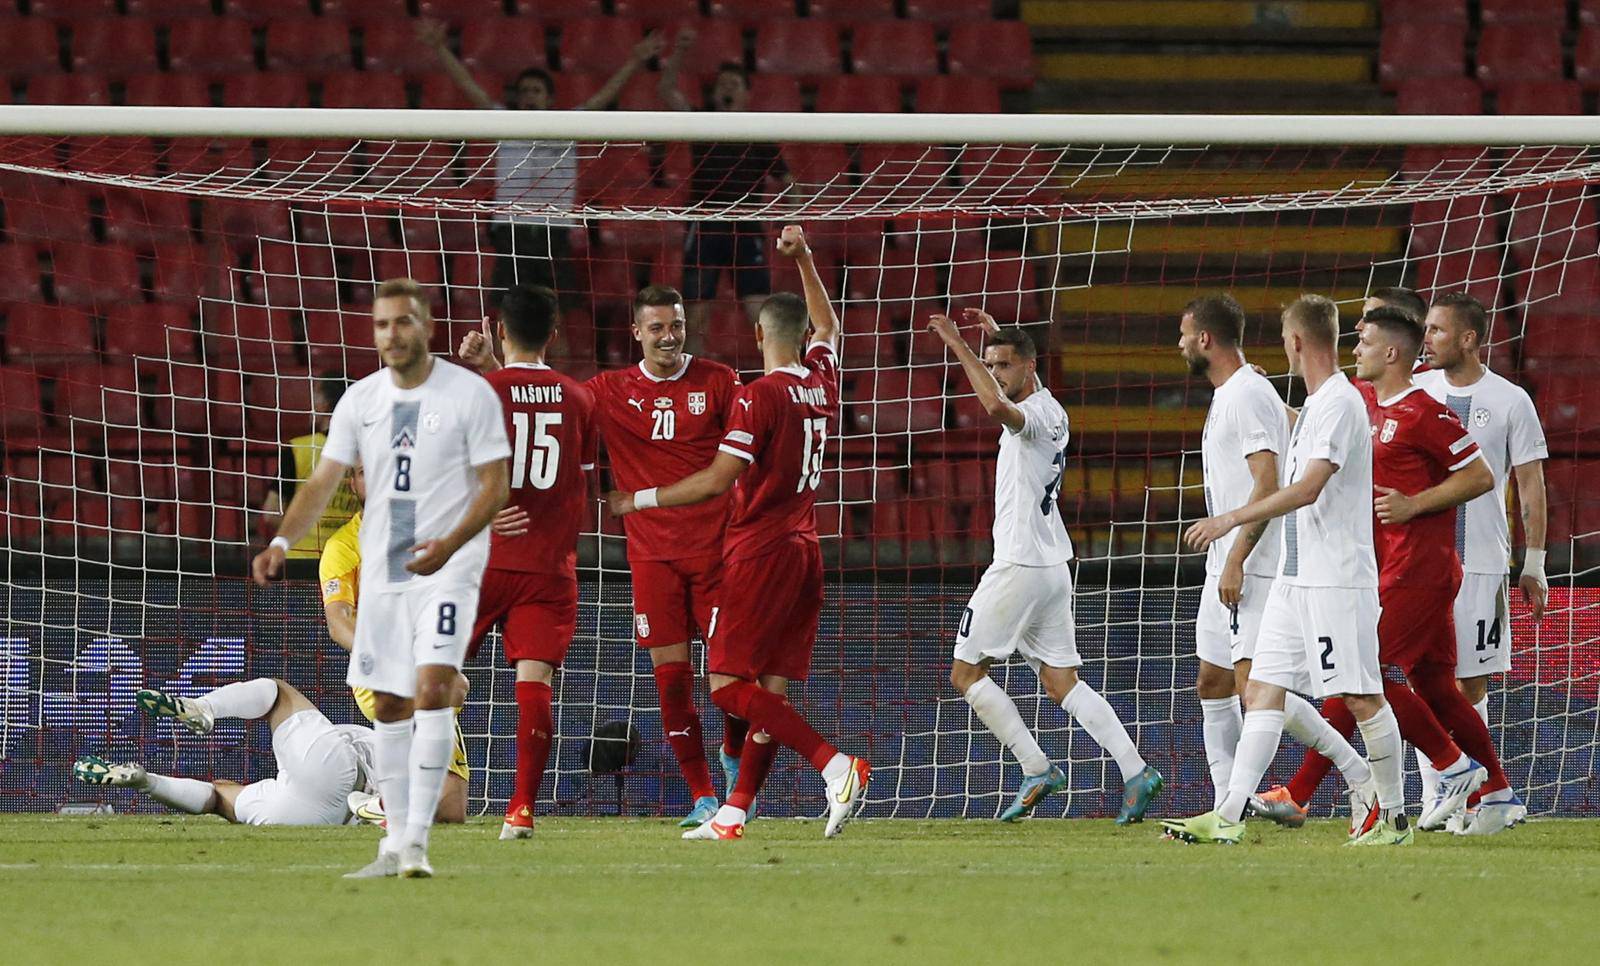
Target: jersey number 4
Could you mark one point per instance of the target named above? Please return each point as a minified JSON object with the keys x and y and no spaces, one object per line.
{"x":534,"y":462}
{"x":811,"y":456}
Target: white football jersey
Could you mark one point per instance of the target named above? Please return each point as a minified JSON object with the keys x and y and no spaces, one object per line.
{"x":420,"y":448}
{"x":1329,"y":543}
{"x":1246,"y":417}
{"x":1502,"y":421}
{"x":1027,"y":481}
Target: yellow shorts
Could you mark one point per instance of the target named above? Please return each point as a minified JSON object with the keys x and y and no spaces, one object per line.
{"x":458,"y":759}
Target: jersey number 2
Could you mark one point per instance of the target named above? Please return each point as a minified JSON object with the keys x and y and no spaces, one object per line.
{"x":535,"y":464}
{"x":811,"y":456}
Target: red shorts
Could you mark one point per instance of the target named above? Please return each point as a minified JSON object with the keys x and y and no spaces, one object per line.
{"x":539,"y":613}
{"x":672,"y":599}
{"x":768,"y":622}
{"x":1417,"y":626}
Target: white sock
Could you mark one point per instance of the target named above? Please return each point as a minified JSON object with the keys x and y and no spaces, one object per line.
{"x":431,"y":748}
{"x":1098,"y":718}
{"x":1301,"y":720}
{"x":836,"y":767}
{"x":242,"y":699}
{"x":730,"y":815}
{"x":999,"y":714}
{"x":1381,"y":733}
{"x":183,"y":794}
{"x":391,"y":760}
{"x":1258,"y":742}
{"x":1482,"y":707}
{"x":1221,"y":722}
{"x":1429,"y":776}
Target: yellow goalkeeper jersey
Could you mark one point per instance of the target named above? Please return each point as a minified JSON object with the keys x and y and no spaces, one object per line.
{"x":339,"y":571}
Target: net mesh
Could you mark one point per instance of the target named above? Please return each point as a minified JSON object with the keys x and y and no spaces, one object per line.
{"x":171,"y":304}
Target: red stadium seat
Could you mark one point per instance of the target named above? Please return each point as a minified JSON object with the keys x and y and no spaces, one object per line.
{"x":20,"y":405}
{"x":206,"y":44}
{"x":505,"y":45}
{"x":440,"y":93}
{"x":1474,"y":272}
{"x":69,"y":10}
{"x":54,"y":212}
{"x":1586,"y":57}
{"x":551,"y":9}
{"x":265,"y":89}
{"x":899,"y":48}
{"x":169,"y":8}
{"x":182,"y":274}
{"x":943,"y":94}
{"x":1425,"y":11}
{"x":1002,"y":49}
{"x":905,"y":172}
{"x":309,"y":44}
{"x":106,"y":394}
{"x":296,"y":276}
{"x":390,"y":45}
{"x":233,"y":332}
{"x":1016,"y":173}
{"x":1457,"y":225}
{"x":640,"y":92}
{"x":597,"y":44}
{"x":715,"y":42}
{"x":1552,"y":226}
{"x":1419,"y":51}
{"x":659,"y":13}
{"x":277,"y":408}
{"x":1006,"y":288}
{"x":1546,"y":13}
{"x":152,"y":330}
{"x":809,"y":48}
{"x":114,"y":46}
{"x":948,"y":12}
{"x":775,"y":92}
{"x":851,"y":9}
{"x":261,"y":11}
{"x":19,"y":273}
{"x":753,"y":12}
{"x":373,"y":10}
{"x":354,"y":88}
{"x":242,"y":222}
{"x":48,"y":335}
{"x":853,"y":92}
{"x":168,"y":90}
{"x":1518,"y":53}
{"x":1568,"y":406}
{"x":68,"y":89}
{"x":908,"y":400}
{"x":95,"y":274}
{"x":1540,"y":97}
{"x":1439,"y":95}
{"x":29,"y":47}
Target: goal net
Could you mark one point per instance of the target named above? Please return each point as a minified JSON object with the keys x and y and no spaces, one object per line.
{"x":175,"y":305}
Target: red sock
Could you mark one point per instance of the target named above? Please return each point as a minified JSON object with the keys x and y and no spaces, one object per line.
{"x":1314,"y":768}
{"x":675,"y":684}
{"x":1436,"y":685}
{"x":754,"y":764}
{"x":1419,"y":726}
{"x":535,"y":726}
{"x":733,"y":734}
{"x":777,"y":717}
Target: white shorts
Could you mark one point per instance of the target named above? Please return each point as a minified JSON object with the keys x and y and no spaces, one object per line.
{"x":399,"y":631}
{"x":1319,"y":641}
{"x":1224,"y":636}
{"x":1017,"y":608}
{"x":1483,"y":633}
{"x":317,"y":770}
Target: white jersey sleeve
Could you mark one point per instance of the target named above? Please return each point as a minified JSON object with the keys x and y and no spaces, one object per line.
{"x":1329,"y":543}
{"x":1028,"y":529}
{"x":342,"y":443}
{"x":1526,"y":440}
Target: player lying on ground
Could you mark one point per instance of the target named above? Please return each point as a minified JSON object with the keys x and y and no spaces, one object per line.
{"x":339,"y":573}
{"x":1424,"y":466}
{"x":662,"y":420}
{"x":431,"y":437}
{"x":1023,"y":604}
{"x":1246,"y":431}
{"x":1319,"y":633}
{"x":1501,"y":418}
{"x":773,"y":450}
{"x":320,"y":764}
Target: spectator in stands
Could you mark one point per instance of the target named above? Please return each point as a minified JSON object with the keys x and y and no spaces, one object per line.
{"x":534,"y":250}
{"x":298,"y":457}
{"x":724,"y":173}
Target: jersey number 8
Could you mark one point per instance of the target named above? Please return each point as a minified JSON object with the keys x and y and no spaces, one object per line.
{"x":535,"y":466}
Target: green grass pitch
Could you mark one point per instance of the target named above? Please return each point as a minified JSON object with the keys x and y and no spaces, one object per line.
{"x":157,"y":889}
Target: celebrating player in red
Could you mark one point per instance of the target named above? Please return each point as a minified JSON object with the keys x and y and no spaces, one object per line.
{"x":531,"y":584}
{"x":1424,"y":466}
{"x":774,"y":450}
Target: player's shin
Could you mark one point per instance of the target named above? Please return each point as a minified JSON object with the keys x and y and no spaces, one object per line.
{"x":1222,"y":720}
{"x":999,"y":714}
{"x":1258,"y":742}
{"x":1325,"y":742}
{"x":1095,"y":714}
{"x":1381,"y":734}
{"x":535,"y":725}
{"x":774,"y":715}
{"x":1435,"y":684}
{"x":391,"y":763}
{"x":754,"y":764}
{"x":675,"y":686}
{"x":183,"y":794}
{"x":431,"y":748}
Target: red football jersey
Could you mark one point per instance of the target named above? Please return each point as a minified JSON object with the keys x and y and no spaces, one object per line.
{"x":1416,"y":443}
{"x":657,"y":431}
{"x":550,"y":422}
{"x":781,"y":427}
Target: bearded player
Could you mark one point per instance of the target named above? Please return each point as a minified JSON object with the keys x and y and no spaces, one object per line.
{"x":662,"y":420}
{"x":766,"y":628}
{"x":1501,"y":417}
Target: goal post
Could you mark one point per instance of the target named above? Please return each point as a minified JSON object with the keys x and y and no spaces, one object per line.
{"x":179,"y":283}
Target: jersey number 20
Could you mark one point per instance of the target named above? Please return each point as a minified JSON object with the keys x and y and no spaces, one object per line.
{"x":535,"y":465}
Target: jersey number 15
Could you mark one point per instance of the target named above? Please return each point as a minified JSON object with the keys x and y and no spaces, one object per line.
{"x":535,"y":462}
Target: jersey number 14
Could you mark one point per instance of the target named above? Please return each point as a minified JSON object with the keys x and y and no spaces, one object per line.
{"x":534,"y":461}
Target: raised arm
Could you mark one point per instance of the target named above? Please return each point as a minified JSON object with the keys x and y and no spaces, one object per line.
{"x":433,"y":34}
{"x":652,"y":44}
{"x":310,"y":499}
{"x":709,"y":483}
{"x":477,"y":348}
{"x":1302,"y":492}
{"x":1535,"y":521}
{"x":1466,"y":483}
{"x":993,"y":399}
{"x":667,"y":87}
{"x":824,"y":321}
{"x":1264,"y":478}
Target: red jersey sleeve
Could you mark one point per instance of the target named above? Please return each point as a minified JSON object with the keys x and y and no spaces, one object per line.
{"x":1444,"y":439}
{"x":591,"y":429}
{"x":751,"y":425}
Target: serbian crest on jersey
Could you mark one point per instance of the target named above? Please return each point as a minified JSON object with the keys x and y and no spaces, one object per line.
{"x":1387,"y":434}
{"x":641,"y":624}
{"x":697,"y":403}
{"x":1480,"y":417}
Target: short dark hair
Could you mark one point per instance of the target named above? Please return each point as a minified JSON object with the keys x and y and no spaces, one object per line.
{"x":1468,"y":311}
{"x":1397,"y":321}
{"x":332,"y":386}
{"x":538,"y":73}
{"x":1403,"y":299}
{"x":784,"y":314}
{"x":1316,"y":317}
{"x":652,"y":296}
{"x":1018,"y":339}
{"x":529,"y":313}
{"x":1220,"y":315}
